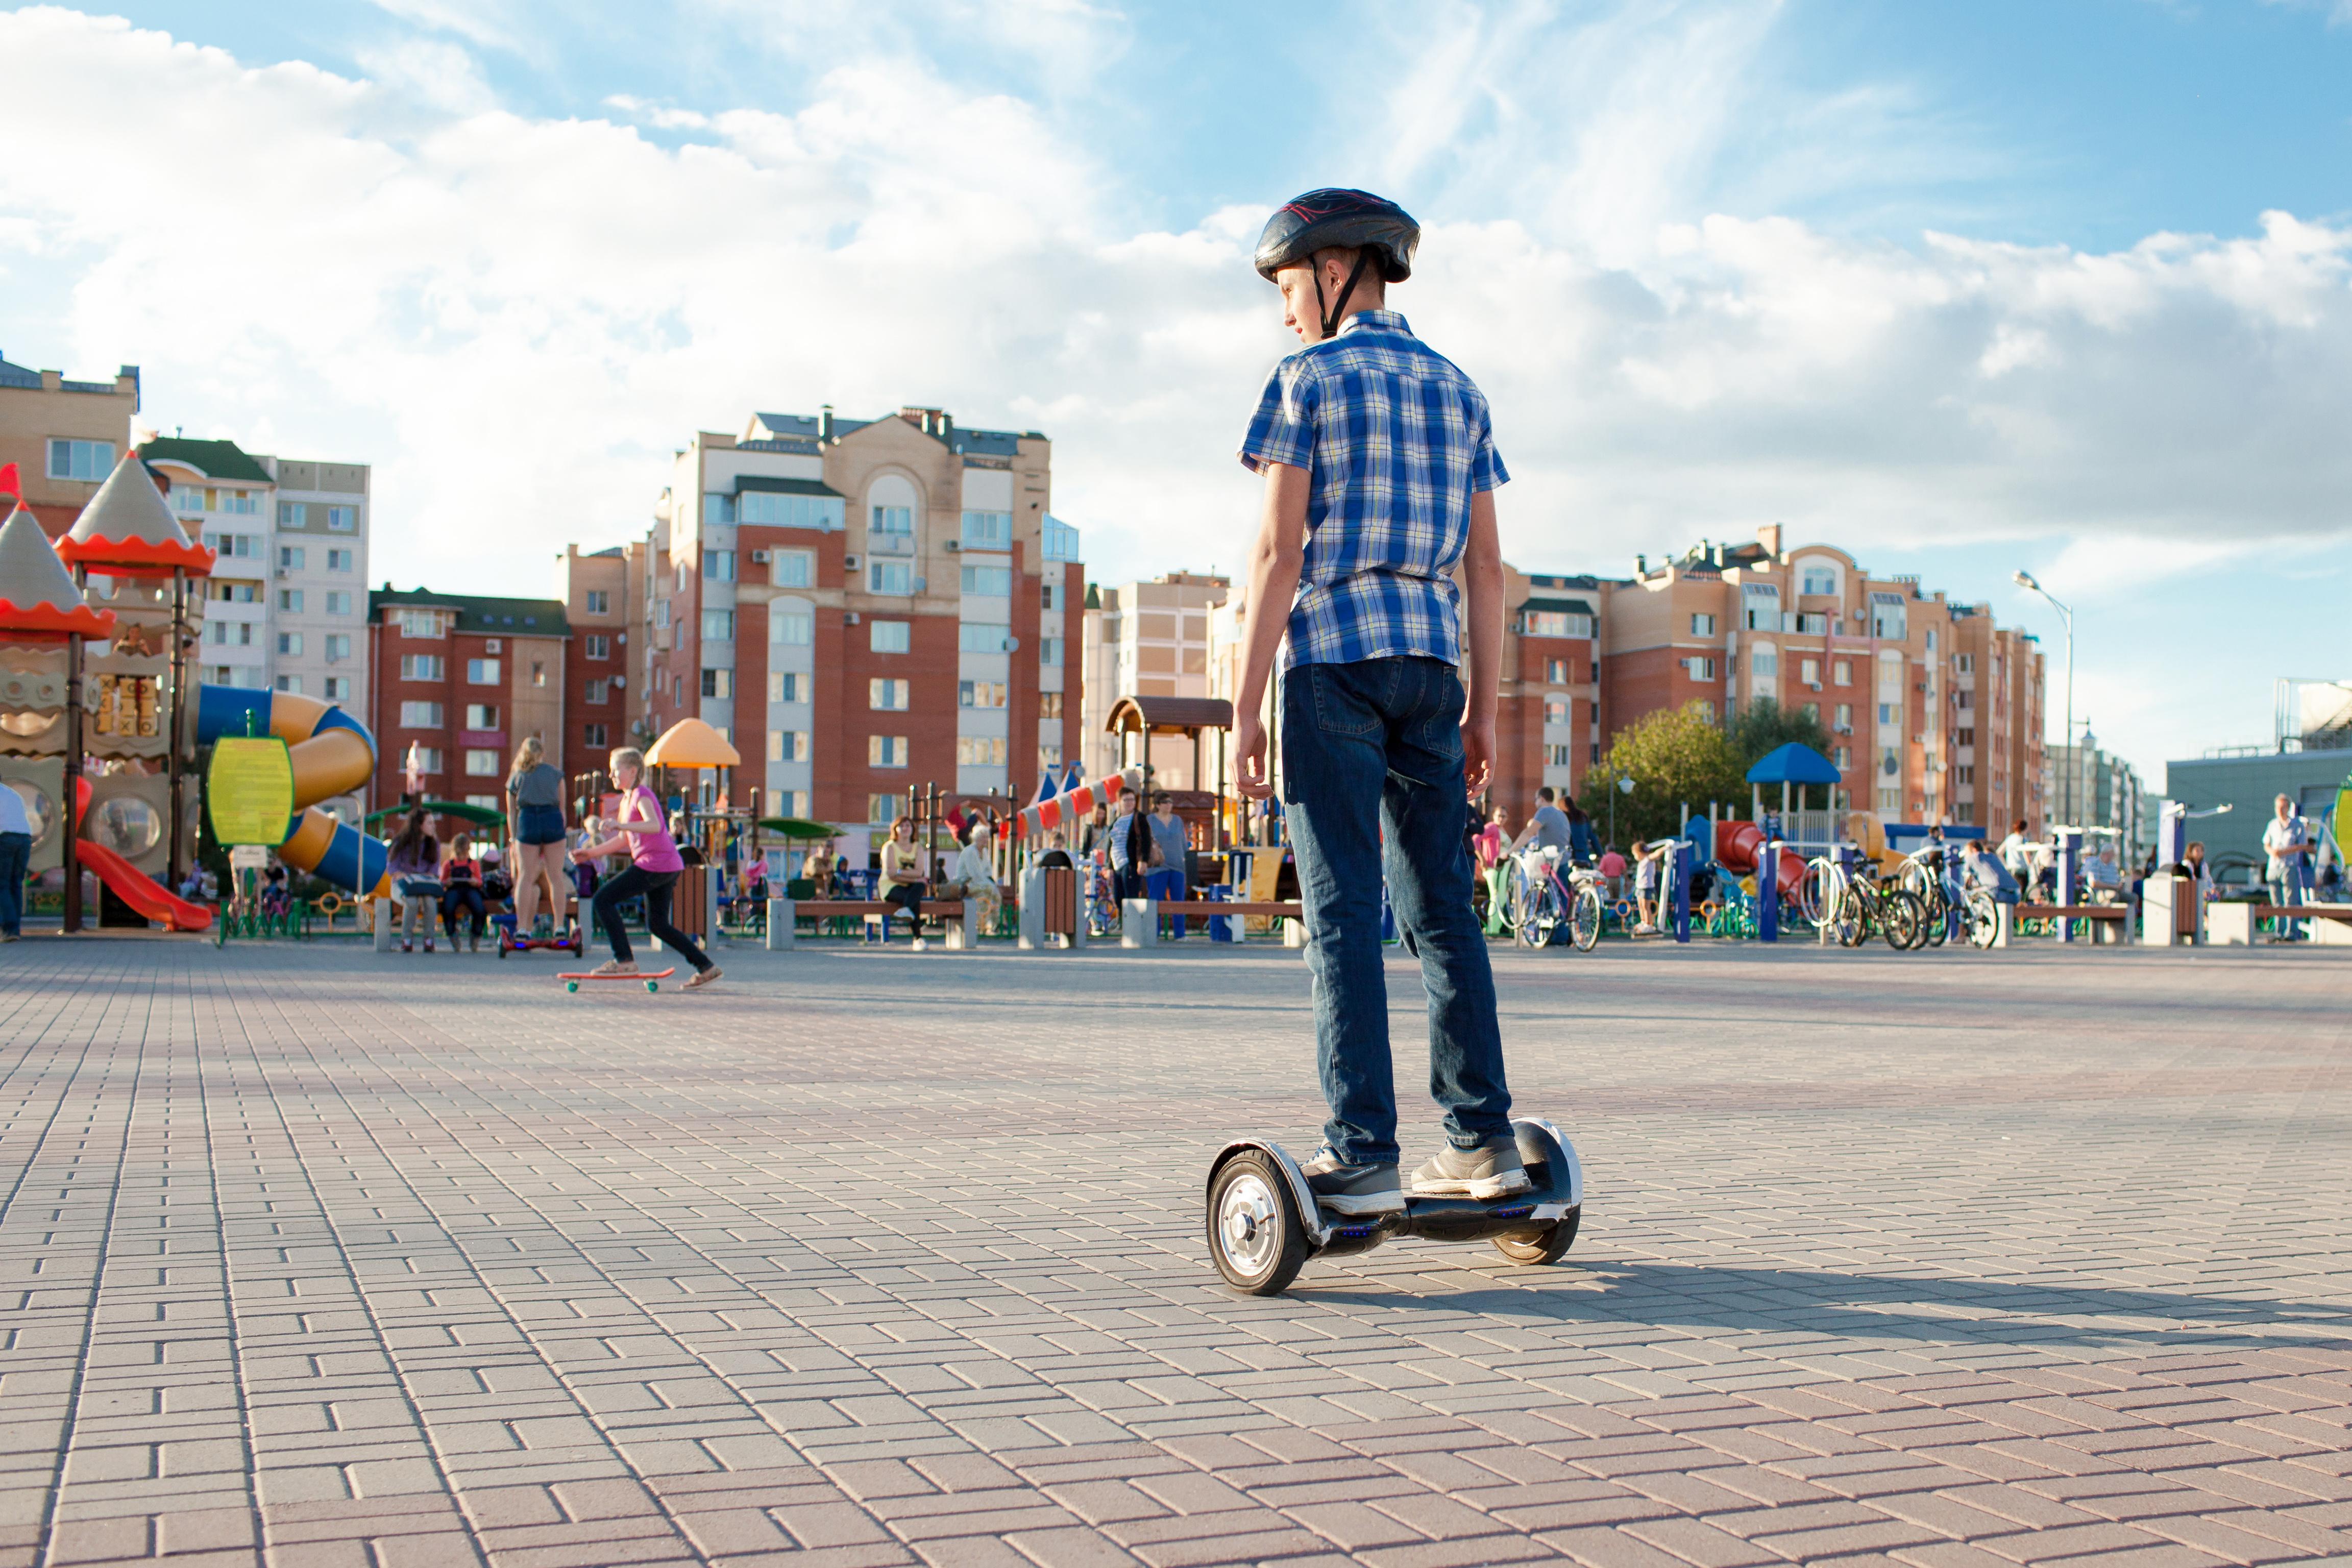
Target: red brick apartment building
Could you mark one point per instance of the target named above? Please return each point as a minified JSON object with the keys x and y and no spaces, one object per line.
{"x":464,"y":680}
{"x":864,"y":607}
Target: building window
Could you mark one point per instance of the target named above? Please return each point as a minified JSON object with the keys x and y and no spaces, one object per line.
{"x":1049,"y":705}
{"x":885,"y":751}
{"x":1702,"y":625}
{"x":599,"y":691}
{"x":422,"y":667}
{"x":593,"y":734}
{"x":788,"y":745}
{"x":988,"y":530}
{"x":290,"y":599}
{"x":1809,"y":671}
{"x":718,"y":625}
{"x":799,"y":630}
{"x":1764,"y":665}
{"x":1700,"y":666}
{"x":1555,"y":709}
{"x":661,"y":616}
{"x":1048,"y":596}
{"x":420,"y":715}
{"x":793,"y":568}
{"x":984,"y":637}
{"x":1843,"y":757}
{"x":719,"y":683}
{"x":980,"y":694}
{"x":1049,"y":651}
{"x":887,"y":696}
{"x":481,"y":763}
{"x":1966,"y":738}
{"x":428,"y":759}
{"x":888,"y":636}
{"x":1841,"y":672}
{"x":769,"y":509}
{"x":339,"y":646}
{"x":232,"y":546}
{"x":292,"y":514}
{"x":1819,"y":580}
{"x":339,"y":560}
{"x":882,"y":808}
{"x":1049,"y":756}
{"x":1556,"y":671}
{"x":90,"y":460}
{"x":238,"y":500}
{"x":891,"y":576}
{"x":980,"y":751}
{"x":786,"y":686}
{"x":481,"y":716}
{"x":481,"y":672}
{"x":339,"y":687}
{"x":893,"y":520}
{"x":187,"y":499}
{"x":1559,"y":756}
{"x":600,"y":602}
{"x":339,"y":602}
{"x":1963,"y":774}
{"x":994,"y":582}
{"x":1890,"y":803}
{"x":291,"y":684}
{"x":718,"y":565}
{"x":290,"y":557}
{"x":235,"y":593}
{"x":342,"y":519}
{"x":422,"y":623}
{"x":1845,"y":718}
{"x":1554,"y":624}
{"x":1812,"y":711}
{"x":290,"y":644}
{"x":1964,"y":699}
{"x":599,"y":646}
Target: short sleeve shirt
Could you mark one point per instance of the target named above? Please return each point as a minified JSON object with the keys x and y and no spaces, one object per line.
{"x":2292,"y":834}
{"x":1551,"y":827}
{"x":1396,"y":440}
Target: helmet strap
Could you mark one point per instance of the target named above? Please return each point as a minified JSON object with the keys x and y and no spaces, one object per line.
{"x":1331,"y":311}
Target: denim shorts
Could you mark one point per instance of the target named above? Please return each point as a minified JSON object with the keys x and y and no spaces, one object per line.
{"x":542,"y":825}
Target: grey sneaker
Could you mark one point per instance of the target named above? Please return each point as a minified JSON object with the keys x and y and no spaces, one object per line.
{"x":613,"y":966}
{"x":1347,"y":1189}
{"x":1492,"y":1170}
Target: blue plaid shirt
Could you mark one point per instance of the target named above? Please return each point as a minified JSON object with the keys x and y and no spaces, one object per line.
{"x":1397,"y":440}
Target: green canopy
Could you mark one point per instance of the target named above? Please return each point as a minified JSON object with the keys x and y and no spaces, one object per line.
{"x":799,"y":828}
{"x":479,"y":816}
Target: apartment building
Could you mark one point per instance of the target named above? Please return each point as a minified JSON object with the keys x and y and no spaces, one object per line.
{"x":867,"y":606}
{"x":2087,"y":786}
{"x":285,"y":608}
{"x":64,"y":436}
{"x":601,"y":593}
{"x":1148,"y":639}
{"x":1935,"y":713}
{"x":462,"y":679}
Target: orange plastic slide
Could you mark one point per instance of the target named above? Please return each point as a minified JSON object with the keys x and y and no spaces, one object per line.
{"x":134,"y":888}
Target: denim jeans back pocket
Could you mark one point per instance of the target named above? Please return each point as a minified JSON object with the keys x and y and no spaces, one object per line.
{"x":1441,"y":703}
{"x":1339,"y":709}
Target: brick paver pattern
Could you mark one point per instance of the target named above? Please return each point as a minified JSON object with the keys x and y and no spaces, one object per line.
{"x":317,"y":1257}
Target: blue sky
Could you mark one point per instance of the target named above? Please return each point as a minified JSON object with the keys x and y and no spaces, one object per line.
{"x":1892,"y":274}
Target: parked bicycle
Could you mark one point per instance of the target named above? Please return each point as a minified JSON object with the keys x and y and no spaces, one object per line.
{"x":1863,"y":906}
{"x":1930,"y":873}
{"x":1547,"y":906}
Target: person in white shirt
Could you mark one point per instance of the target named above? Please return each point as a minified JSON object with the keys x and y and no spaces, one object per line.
{"x":2017,"y":854}
{"x":16,"y":850}
{"x":973,"y":875}
{"x":2287,"y":841}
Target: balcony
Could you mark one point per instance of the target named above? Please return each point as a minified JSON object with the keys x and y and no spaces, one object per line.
{"x":482,"y":738}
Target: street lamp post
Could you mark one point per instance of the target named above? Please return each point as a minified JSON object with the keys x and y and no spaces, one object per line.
{"x":2025,"y":580}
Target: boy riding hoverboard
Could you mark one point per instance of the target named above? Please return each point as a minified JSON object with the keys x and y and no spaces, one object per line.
{"x":1379,"y":468}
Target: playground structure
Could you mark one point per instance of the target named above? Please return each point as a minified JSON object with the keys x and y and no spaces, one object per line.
{"x":96,"y":639}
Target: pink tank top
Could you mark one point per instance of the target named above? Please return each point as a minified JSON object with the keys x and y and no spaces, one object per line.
{"x":653,"y":849}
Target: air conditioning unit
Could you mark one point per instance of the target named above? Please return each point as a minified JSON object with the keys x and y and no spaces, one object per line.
{"x":850,"y":619}
{"x":953,"y":544}
{"x":921,"y":584}
{"x":620,"y":683}
{"x":1814,"y":685}
{"x":489,"y":645}
{"x":849,"y":563}
{"x":1011,"y":644}
{"x":759,"y":558}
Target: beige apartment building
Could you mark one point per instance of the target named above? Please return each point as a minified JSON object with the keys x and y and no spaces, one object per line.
{"x":1935,"y":712}
{"x":601,"y":593}
{"x":64,"y":436}
{"x":866,"y":607}
{"x":1148,"y":639}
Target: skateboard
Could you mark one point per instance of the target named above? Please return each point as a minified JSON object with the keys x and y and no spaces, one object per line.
{"x":652,"y":977}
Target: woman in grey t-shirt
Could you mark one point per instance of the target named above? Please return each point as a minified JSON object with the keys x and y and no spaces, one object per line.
{"x":535,"y":823}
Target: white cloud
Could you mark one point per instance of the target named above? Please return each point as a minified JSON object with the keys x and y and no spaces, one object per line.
{"x":517,"y":319}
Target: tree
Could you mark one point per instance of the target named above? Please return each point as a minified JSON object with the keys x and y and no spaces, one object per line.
{"x":1675,"y":757}
{"x":1765,"y":726}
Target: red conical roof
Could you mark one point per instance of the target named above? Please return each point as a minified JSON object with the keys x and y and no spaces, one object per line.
{"x":38,"y":601}
{"x":126,"y":530}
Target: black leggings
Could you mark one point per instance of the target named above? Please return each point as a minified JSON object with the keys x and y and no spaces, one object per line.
{"x":908,"y":896}
{"x":462,"y":896}
{"x":656,"y":887}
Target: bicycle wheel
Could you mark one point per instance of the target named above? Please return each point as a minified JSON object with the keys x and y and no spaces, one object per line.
{"x":1900,"y":920}
{"x":1529,"y":896}
{"x":1984,"y":917}
{"x":1814,"y":892}
{"x":1935,"y":916}
{"x":1584,"y":918}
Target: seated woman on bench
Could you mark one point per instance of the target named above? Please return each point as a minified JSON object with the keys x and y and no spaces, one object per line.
{"x":903,"y":876}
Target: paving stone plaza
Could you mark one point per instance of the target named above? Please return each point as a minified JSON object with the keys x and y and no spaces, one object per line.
{"x":319,"y":1257}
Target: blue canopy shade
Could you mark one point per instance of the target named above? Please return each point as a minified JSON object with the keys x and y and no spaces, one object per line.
{"x":1796,"y":763}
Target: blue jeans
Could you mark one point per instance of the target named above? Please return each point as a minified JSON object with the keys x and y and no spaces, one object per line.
{"x":15,"y":849}
{"x":1371,"y":778}
{"x":1165,"y":883}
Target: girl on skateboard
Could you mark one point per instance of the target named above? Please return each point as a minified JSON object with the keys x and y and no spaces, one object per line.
{"x":642,"y":830}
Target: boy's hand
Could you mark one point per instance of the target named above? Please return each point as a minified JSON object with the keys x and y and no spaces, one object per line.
{"x":1478,"y":754}
{"x":1250,"y":773}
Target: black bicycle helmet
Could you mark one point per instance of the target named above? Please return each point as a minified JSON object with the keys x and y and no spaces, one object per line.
{"x":1373,"y":226}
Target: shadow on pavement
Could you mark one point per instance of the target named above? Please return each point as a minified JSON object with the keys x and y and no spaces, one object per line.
{"x":1782,"y":1300}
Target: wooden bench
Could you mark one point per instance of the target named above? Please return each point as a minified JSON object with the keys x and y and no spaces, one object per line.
{"x":1140,"y":917}
{"x":2116,"y":916}
{"x":785,"y":914}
